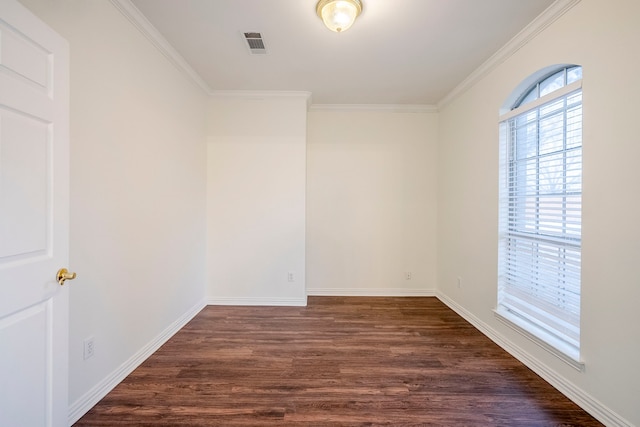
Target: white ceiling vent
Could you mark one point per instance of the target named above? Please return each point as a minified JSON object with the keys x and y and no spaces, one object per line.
{"x":255,"y":43}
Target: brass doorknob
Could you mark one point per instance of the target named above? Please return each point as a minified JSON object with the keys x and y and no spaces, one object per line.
{"x":64,"y":275}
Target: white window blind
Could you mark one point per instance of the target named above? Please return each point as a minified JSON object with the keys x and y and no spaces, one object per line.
{"x":540,"y":215}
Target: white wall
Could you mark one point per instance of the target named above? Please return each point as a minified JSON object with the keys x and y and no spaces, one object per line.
{"x":139,"y":168}
{"x":370,"y":195}
{"x":256,"y":199}
{"x":371,"y":202}
{"x":603,"y":37}
{"x":137,"y":238}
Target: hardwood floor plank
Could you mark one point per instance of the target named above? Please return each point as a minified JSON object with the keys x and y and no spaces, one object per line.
{"x":340,"y":361}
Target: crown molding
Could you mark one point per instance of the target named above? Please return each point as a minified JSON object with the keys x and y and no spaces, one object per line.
{"x":258,"y":95}
{"x":528,"y":33}
{"x":385,"y":108}
{"x":546,"y":18}
{"x":143,"y":25}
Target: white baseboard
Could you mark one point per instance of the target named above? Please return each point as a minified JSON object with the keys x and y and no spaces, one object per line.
{"x":290,"y":302}
{"x":570,"y":390}
{"x":577,"y":395}
{"x":81,"y":406}
{"x":371,"y":292}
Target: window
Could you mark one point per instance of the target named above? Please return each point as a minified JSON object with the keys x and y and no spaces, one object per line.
{"x":540,"y":211}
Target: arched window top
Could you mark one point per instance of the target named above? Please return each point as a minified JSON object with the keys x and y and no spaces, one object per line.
{"x":557,"y":79}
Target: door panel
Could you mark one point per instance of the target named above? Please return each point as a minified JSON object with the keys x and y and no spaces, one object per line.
{"x":27,"y":360}
{"x":34,"y":224}
{"x":24,"y":174}
{"x":23,"y":56}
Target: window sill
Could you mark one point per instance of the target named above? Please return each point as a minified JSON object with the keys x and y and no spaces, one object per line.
{"x":548,"y":342}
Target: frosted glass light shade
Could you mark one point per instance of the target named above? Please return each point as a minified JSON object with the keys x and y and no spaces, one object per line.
{"x":338,"y":15}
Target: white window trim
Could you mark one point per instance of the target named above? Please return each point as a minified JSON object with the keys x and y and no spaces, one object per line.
{"x":544,"y":339}
{"x":543,"y":100}
{"x":557,"y":347}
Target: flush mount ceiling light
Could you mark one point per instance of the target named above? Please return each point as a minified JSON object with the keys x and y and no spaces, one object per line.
{"x":338,"y":15}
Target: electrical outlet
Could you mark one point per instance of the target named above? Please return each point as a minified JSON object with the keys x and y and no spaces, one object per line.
{"x":89,"y":348}
{"x":459,"y":282}
{"x":407,"y":275}
{"x":291,"y":277}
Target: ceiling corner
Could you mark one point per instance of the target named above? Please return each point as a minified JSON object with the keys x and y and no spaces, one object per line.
{"x":131,"y":12}
{"x":542,"y":21}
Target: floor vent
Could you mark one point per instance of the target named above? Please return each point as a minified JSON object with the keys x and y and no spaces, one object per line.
{"x":255,"y":43}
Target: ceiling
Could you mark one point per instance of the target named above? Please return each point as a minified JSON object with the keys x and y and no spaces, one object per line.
{"x":397,"y":52}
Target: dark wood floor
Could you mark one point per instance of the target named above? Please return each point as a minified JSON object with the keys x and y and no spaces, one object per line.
{"x":339,"y":361}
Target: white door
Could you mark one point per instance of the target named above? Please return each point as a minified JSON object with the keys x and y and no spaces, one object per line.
{"x":34,"y":180}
